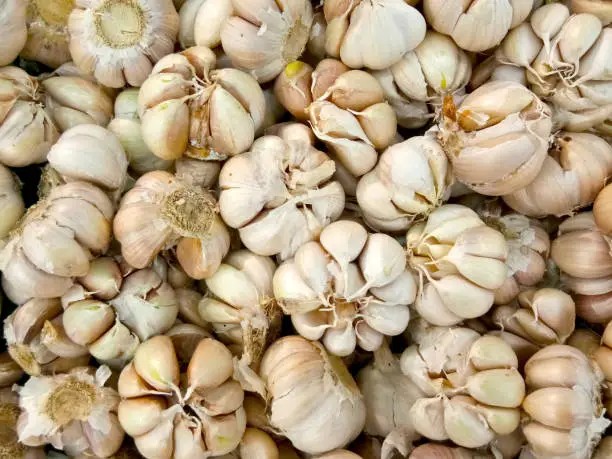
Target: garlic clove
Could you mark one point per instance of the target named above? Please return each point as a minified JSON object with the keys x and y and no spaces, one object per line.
{"x":53,"y":337}
{"x":200,"y":374}
{"x":257,"y":444}
{"x":464,"y":423}
{"x":116,"y":343}
{"x":201,"y":21}
{"x":140,"y":415}
{"x":165,"y":129}
{"x":566,"y":408}
{"x":427,"y":416}
{"x":497,"y":387}
{"x":155,"y":361}
{"x":85,"y":321}
{"x":292,"y":89}
{"x":104,"y":278}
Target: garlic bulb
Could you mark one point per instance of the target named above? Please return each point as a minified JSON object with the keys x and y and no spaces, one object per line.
{"x":571,"y":176}
{"x":600,"y":8}
{"x":348,"y":289}
{"x":127,"y":128}
{"x":497,"y":138}
{"x":314,"y":400}
{"x":188,"y":108}
{"x":201,"y":22}
{"x":12,"y":29}
{"x":371,"y":34}
{"x":437,"y":451}
{"x":280,"y":195}
{"x":9,"y":415}
{"x":411,"y":179}
{"x":119,"y":42}
{"x":10,"y":371}
{"x":55,"y":241}
{"x":74,"y":412}
{"x":565,"y":415}
{"x":601,"y":210}
{"x":161,"y":212}
{"x":11,"y":203}
{"x":462,"y":260}
{"x":26,"y":130}
{"x":174,"y":417}
{"x":262,"y":37}
{"x":602,"y":356}
{"x":476,"y":26}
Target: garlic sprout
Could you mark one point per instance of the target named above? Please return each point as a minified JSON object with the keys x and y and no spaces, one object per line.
{"x":119,"y":41}
{"x":9,"y":415}
{"x":10,"y":371}
{"x":201,"y":22}
{"x":12,"y":29}
{"x":280,"y":195}
{"x":189,"y":108}
{"x":172,"y":417}
{"x":11,"y":203}
{"x":603,"y":357}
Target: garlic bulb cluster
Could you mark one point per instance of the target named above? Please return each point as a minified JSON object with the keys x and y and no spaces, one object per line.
{"x":161,"y":212}
{"x":12,"y":29}
{"x":280,"y":195}
{"x":349,"y":289}
{"x":261,"y":37}
{"x":497,"y":138}
{"x":174,"y":416}
{"x":189,"y":108}
{"x":118,"y":42}
{"x":9,"y":416}
{"x":603,"y":357}
{"x":565,"y":415}
{"x":201,"y":22}
{"x":313,"y":399}
{"x":461,"y":263}
{"x":11,"y":202}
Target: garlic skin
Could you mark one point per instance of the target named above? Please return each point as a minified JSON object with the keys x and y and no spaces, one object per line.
{"x":409,"y":181}
{"x":279,"y":195}
{"x":199,"y":415}
{"x":262,"y":37}
{"x":10,"y":371}
{"x":437,"y":451}
{"x":349,"y":289}
{"x":565,"y":415}
{"x":601,"y":210}
{"x":497,"y":138}
{"x":326,"y":399}
{"x":26,"y":130}
{"x":188,"y":108}
{"x":9,"y":415}
{"x":455,"y":251}
{"x":203,"y":174}
{"x":11,"y":202}
{"x":13,"y":29}
{"x":600,"y":8}
{"x":100,"y":47}
{"x":371,"y":34}
{"x":201,"y":22}
{"x":604,"y":449}
{"x":601,"y":356}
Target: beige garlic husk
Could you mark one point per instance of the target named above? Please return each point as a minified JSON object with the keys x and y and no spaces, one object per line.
{"x":307,"y":387}
{"x":201,"y":22}
{"x":11,"y":202}
{"x":261,"y":37}
{"x":460,"y":261}
{"x":126,"y":125}
{"x":10,"y":371}
{"x":563,"y":406}
{"x":26,"y":130}
{"x":371,"y":34}
{"x":9,"y":440}
{"x":13,"y":29}
{"x":351,"y":288}
{"x":161,"y":212}
{"x":120,"y":41}
{"x":55,"y":242}
{"x":177,"y":412}
{"x":73,"y":412}
{"x":600,"y":8}
{"x":572,"y":175}
{"x":280,"y":194}
{"x":497,"y":138}
{"x":410,"y":180}
{"x":188,"y":107}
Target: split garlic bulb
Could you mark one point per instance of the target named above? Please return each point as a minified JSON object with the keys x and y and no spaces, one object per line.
{"x":411,"y":179}
{"x":10,"y":371}
{"x":600,"y":8}
{"x":349,"y":289}
{"x":279,"y":195}
{"x":74,"y":412}
{"x":262,"y":37}
{"x":26,"y":130}
{"x":55,"y":242}
{"x":11,"y":203}
{"x":188,"y":108}
{"x":565,"y":415}
{"x":313,"y":399}
{"x":603,"y":357}
{"x":9,"y":415}
{"x":119,"y":42}
{"x":12,"y":29}
{"x":161,"y":212}
{"x":497,"y":139}
{"x":371,"y":34}
{"x":463,"y":261}
{"x":201,"y":22}
{"x":174,"y":417}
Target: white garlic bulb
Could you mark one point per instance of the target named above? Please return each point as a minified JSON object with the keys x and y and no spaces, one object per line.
{"x":119,"y":42}
{"x":13,"y":29}
{"x":11,"y":203}
{"x":201,"y":22}
{"x":9,"y":415}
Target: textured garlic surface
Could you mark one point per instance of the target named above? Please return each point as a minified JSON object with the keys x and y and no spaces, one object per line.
{"x":13,"y":29}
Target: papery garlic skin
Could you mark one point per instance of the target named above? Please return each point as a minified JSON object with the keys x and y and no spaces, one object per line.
{"x":13,"y":28}
{"x":201,"y":22}
{"x":100,"y":46}
{"x":9,"y":415}
{"x":327,"y":400}
{"x":11,"y":202}
{"x":604,"y":449}
{"x":10,"y":371}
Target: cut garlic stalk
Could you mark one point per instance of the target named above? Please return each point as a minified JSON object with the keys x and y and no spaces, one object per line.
{"x":13,"y":29}
{"x":9,"y":417}
{"x":11,"y":203}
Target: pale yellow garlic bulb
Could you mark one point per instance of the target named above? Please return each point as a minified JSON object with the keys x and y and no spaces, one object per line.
{"x":11,"y":202}
{"x":174,"y":417}
{"x":462,"y":260}
{"x":189,"y":108}
{"x":263,"y":36}
{"x":603,"y":356}
{"x":371,"y":34}
{"x":13,"y":29}
{"x":313,"y":399}
{"x":119,"y":41}
{"x":600,"y":8}
{"x":565,"y":415}
{"x":349,"y":289}
{"x":201,"y":22}
{"x":10,"y":371}
{"x":411,"y":179}
{"x":280,"y":194}
{"x":9,"y":415}
{"x":161,"y":212}
{"x":497,"y":138}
